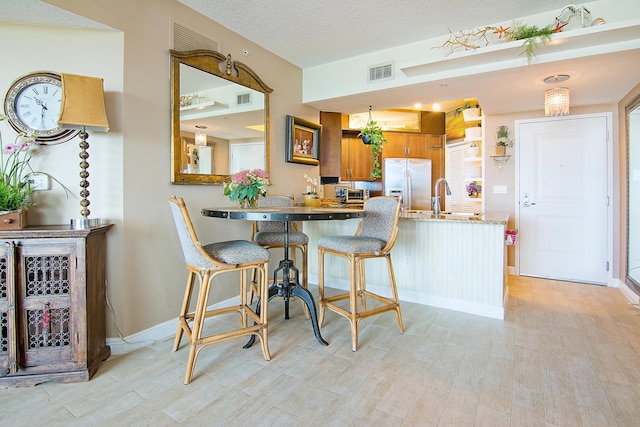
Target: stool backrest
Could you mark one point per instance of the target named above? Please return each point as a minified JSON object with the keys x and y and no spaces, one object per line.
{"x":188,"y":239}
{"x":381,"y":218}
{"x":271,"y":201}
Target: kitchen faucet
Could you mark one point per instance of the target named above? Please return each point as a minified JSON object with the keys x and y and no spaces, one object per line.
{"x":436,"y":205}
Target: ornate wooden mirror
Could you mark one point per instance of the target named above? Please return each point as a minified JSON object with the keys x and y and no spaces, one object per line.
{"x":220,"y":118}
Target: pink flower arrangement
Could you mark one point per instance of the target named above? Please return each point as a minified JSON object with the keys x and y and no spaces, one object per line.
{"x":247,"y":184}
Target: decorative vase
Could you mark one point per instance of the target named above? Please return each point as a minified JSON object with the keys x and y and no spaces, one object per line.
{"x":473,"y":195}
{"x":501,"y":150}
{"x":248,"y":203}
{"x":13,"y":220}
{"x":311,"y":200}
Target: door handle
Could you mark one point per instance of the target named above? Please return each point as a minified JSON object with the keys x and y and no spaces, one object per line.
{"x":525,"y":201}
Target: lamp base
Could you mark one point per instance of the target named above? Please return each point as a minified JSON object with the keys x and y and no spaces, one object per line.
{"x":84,"y":223}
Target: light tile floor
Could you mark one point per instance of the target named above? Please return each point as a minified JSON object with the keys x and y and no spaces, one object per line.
{"x":566,"y":355}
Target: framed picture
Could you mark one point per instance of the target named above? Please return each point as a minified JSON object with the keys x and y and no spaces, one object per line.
{"x":303,"y":141}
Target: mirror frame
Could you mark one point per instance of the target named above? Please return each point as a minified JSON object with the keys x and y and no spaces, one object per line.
{"x":632,"y":282}
{"x":209,"y":61}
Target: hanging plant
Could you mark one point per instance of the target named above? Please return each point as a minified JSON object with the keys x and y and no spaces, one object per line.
{"x":372,"y":135}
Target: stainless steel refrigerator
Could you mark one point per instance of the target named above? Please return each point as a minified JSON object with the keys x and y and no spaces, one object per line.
{"x":410,"y":179}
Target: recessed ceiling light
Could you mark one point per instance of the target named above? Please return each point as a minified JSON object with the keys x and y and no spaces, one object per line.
{"x":557,"y":78}
{"x":417,"y":106}
{"x":201,"y":126}
{"x":437,"y":107}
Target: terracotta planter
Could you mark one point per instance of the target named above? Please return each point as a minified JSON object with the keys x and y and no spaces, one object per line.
{"x":13,"y":220}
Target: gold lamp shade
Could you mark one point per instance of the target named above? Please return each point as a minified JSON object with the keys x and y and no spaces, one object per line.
{"x":83,"y":103}
{"x":83,"y":107}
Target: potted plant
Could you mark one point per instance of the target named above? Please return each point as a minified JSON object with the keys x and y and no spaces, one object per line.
{"x":16,"y":175}
{"x":372,"y":135}
{"x":531,"y":35}
{"x":245,"y":187}
{"x":502,"y":140}
{"x":474,"y":189}
{"x":470,"y":112}
{"x":311,"y":198}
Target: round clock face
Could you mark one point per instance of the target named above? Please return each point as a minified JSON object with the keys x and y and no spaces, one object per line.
{"x":32,"y":105}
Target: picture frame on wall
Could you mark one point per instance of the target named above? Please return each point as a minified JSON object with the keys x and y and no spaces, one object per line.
{"x":302,"y":141}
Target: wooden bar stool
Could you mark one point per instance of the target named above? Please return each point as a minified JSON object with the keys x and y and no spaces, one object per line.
{"x":374,"y":238}
{"x":205,"y":263}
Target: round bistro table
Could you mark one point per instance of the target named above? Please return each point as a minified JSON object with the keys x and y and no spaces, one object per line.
{"x":289,"y":286}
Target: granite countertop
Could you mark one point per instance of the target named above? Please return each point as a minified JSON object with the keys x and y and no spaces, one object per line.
{"x":485,"y":218}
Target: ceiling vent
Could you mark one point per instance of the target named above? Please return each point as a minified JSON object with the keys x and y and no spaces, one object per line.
{"x":186,"y":39}
{"x":243,"y":99}
{"x":381,"y":72}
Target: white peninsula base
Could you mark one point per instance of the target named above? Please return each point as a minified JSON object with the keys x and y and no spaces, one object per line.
{"x":457,"y":264}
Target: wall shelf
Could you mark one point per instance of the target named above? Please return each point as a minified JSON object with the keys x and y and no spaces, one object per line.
{"x":500,"y":161}
{"x":611,"y":37}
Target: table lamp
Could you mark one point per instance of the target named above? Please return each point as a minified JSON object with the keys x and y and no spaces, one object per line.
{"x":83,"y":108}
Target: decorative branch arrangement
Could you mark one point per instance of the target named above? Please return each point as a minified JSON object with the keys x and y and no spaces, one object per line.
{"x":530,"y":34}
{"x":466,"y":39}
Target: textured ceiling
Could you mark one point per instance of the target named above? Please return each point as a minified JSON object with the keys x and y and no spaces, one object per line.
{"x":36,"y":12}
{"x":312,"y":32}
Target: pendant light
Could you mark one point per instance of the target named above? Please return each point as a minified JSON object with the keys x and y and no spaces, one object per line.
{"x":556,"y":100}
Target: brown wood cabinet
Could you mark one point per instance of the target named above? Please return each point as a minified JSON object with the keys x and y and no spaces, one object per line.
{"x":409,"y":145}
{"x":52,"y":304}
{"x":330,"y":145}
{"x":357,"y":163}
{"x":417,"y":146}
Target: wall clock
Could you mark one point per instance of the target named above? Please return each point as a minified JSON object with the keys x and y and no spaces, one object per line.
{"x":32,"y":105}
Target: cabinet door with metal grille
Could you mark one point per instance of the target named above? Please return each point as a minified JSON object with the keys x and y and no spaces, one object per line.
{"x":8,"y":345}
{"x":48,"y":335}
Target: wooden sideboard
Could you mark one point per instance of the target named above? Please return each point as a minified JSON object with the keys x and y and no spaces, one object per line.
{"x":52,"y":304}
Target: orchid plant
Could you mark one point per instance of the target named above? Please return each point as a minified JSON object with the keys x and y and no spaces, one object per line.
{"x":311,"y":189}
{"x":15,"y":172}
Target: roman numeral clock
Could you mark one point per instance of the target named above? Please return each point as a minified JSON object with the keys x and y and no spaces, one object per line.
{"x":32,"y":106}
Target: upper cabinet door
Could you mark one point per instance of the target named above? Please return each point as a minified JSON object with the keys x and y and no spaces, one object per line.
{"x":409,"y":145}
{"x":417,"y":146}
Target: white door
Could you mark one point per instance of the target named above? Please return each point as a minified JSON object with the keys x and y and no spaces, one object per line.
{"x":563,"y":198}
{"x":250,"y":155}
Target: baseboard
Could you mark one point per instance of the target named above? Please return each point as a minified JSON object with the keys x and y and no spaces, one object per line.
{"x":155,"y":333}
{"x":629,"y":294}
{"x":484,"y":310}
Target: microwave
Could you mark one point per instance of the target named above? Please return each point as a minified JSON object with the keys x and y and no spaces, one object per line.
{"x":356,"y":195}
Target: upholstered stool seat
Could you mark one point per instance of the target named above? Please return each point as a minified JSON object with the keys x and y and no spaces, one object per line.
{"x":374,"y":238}
{"x":205,"y":263}
{"x":352,"y":244}
{"x":271,"y":238}
{"x":235,"y":252}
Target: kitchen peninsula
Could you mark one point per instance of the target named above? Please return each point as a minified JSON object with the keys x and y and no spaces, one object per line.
{"x":457,"y":262}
